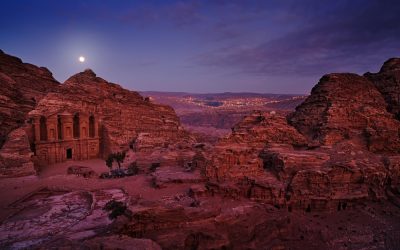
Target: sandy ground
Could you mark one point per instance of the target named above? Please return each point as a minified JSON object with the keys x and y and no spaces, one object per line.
{"x":55,"y":177}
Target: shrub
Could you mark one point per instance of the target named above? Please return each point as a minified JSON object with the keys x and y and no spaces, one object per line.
{"x":119,"y":157}
{"x":117,"y":208}
{"x":154,"y":166}
{"x":109,"y":161}
{"x":133,"y":169}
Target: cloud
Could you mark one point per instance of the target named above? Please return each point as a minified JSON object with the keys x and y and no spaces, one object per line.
{"x":177,"y":13}
{"x":349,"y":38}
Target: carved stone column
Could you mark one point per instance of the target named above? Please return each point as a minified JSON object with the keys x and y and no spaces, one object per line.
{"x":84,"y":126}
{"x":67,"y":125}
{"x":52,"y":134}
{"x":36,"y":124}
{"x":96,"y":127}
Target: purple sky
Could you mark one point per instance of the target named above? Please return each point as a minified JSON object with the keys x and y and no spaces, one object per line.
{"x":204,"y":46}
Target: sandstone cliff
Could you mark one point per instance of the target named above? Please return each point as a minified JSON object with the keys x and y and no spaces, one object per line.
{"x":125,"y":116}
{"x":127,"y":120}
{"x":22,"y":86}
{"x":339,"y":146}
{"x":238,"y":154}
{"x":387,"y":81}
{"x":347,"y":107}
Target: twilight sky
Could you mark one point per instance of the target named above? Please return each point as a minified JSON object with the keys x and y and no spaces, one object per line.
{"x":268,"y":46}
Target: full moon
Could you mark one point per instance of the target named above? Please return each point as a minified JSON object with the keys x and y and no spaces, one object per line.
{"x":81,"y":59}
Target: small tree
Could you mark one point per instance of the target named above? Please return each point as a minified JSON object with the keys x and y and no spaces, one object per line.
{"x":119,"y":157}
{"x":109,"y":161}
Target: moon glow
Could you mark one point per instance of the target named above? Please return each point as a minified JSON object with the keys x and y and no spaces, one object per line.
{"x":82,"y":59}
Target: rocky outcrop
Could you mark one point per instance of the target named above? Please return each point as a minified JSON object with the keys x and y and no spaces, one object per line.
{"x":387,"y":81}
{"x":120,"y":242}
{"x":392,"y":163}
{"x":238,"y":154}
{"x":309,"y":179}
{"x":347,"y":107}
{"x":55,"y":214}
{"x":15,"y":155}
{"x":340,"y":146}
{"x":209,"y":225}
{"x":127,"y":120}
{"x":22,"y":86}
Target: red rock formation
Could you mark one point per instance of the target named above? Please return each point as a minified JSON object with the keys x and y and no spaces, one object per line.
{"x":15,"y":155}
{"x":238,"y":155}
{"x":22,"y":86}
{"x":347,"y":126}
{"x":347,"y":107}
{"x":264,"y":159}
{"x":119,"y":242}
{"x":126,"y":118}
{"x":212,"y":225}
{"x":387,"y":81}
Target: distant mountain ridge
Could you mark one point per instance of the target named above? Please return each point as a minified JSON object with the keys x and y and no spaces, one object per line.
{"x":217,"y":113}
{"x":218,"y":94}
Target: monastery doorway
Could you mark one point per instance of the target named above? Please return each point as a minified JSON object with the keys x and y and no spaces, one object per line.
{"x":69,"y":153}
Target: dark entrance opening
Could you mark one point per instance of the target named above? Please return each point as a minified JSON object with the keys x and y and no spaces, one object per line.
{"x":69,"y":153}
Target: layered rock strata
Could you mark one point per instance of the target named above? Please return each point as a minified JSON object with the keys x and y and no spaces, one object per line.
{"x":339,"y":147}
{"x":347,"y":107}
{"x":125,"y":116}
{"x":126,"y":119}
{"x":387,"y":81}
{"x":23,"y":85}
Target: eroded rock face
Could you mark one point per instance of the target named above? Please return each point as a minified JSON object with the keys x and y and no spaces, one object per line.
{"x":347,"y":107}
{"x":347,"y":154}
{"x":22,"y":86}
{"x":238,"y":155}
{"x":127,"y":119}
{"x":176,"y":224}
{"x":121,"y":242}
{"x":283,"y":182}
{"x":215,"y":223}
{"x":15,"y":155}
{"x":387,"y":81}
{"x":392,"y":163}
{"x":48,"y":215}
{"x":124,"y":114}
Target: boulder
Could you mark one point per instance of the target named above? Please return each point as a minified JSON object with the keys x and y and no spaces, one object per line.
{"x":16,"y":155}
{"x":85,"y":172}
